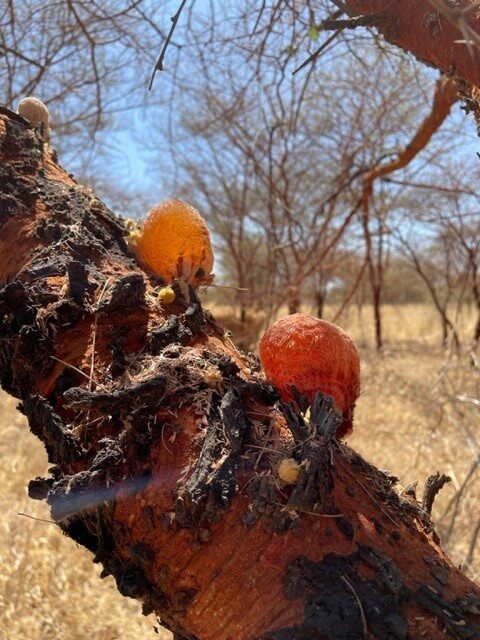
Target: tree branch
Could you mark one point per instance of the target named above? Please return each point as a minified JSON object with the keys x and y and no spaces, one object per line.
{"x":369,"y":20}
{"x":157,"y":471}
{"x":446,"y":94}
{"x":159,"y":64}
{"x":415,"y":26}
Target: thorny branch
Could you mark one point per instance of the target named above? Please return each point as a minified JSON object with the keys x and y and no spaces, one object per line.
{"x":159,"y":64}
{"x":372,"y":19}
{"x":368,"y":20}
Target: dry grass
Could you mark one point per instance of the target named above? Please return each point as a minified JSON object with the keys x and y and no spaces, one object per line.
{"x":413,"y":325}
{"x":49,"y":588}
{"x":409,"y":420}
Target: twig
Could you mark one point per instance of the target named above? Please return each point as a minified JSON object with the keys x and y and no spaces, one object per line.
{"x":259,"y":16}
{"x":455,"y":501}
{"x":352,"y":291}
{"x":163,"y":436}
{"x":159,"y":64}
{"x":368,"y":20}
{"x":468,"y":400}
{"x":263,"y":448}
{"x":93,"y":60}
{"x":300,"y":509}
{"x":341,"y":5}
{"x":227,"y":286}
{"x":26,"y":515}
{"x":317,"y":52}
{"x":473,"y":544}
{"x":424,"y":185}
{"x":92,"y":362}
{"x":67,"y":364}
{"x":362,"y":612}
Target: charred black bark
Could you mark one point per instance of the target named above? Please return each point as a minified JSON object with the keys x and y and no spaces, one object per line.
{"x":340,"y":605}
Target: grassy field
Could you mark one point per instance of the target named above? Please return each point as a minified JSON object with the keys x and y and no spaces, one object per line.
{"x":418,"y":413}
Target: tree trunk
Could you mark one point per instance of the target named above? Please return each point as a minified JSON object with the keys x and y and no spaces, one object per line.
{"x":476,"y":333}
{"x":443,"y":318}
{"x":375,"y":280}
{"x":476,"y":299}
{"x":377,"y":312}
{"x":293,"y":299}
{"x":445,"y":96}
{"x":164,"y":445}
{"x":320,"y":300}
{"x":243,"y":313}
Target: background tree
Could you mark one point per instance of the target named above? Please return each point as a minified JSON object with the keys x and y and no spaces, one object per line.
{"x":269,"y":128}
{"x":86,"y":61}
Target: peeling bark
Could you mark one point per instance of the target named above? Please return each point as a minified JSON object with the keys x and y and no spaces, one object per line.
{"x":164,"y":439}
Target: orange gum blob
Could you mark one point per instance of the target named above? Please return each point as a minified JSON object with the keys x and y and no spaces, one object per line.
{"x":175,"y":243}
{"x":312,"y":355}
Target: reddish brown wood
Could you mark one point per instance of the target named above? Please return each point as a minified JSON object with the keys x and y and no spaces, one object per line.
{"x":416,"y":26}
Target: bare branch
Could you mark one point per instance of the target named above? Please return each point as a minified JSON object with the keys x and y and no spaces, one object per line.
{"x":368,"y":20}
{"x":159,"y":64}
{"x":317,"y":52}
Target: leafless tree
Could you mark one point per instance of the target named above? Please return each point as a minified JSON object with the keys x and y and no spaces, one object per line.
{"x":463,"y":229}
{"x":277,"y":161}
{"x":284,"y":156}
{"x":87,"y":61}
{"x":436,"y":266}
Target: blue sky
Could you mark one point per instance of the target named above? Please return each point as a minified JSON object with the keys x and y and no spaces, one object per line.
{"x":130,"y":166}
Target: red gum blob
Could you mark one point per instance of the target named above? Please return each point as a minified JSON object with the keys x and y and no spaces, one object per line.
{"x":312,"y":355}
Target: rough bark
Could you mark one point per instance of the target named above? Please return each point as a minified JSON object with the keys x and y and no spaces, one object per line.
{"x":163,"y":441}
{"x":320,"y":300}
{"x":417,"y":26}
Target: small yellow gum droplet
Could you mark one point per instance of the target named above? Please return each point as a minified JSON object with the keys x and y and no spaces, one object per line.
{"x":166,"y":295}
{"x":288,"y":471}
